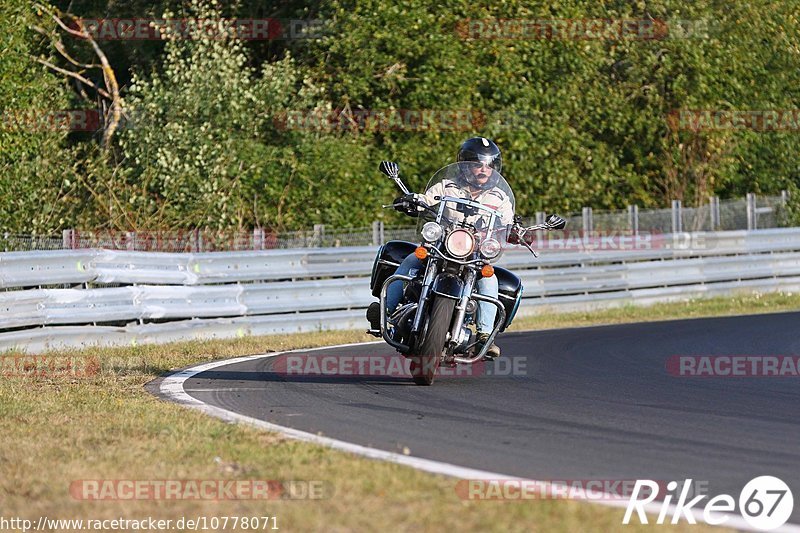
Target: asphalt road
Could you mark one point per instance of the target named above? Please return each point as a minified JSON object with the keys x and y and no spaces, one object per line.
{"x":581,"y":403}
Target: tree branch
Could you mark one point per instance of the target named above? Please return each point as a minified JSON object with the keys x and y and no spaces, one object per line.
{"x":109,"y":77}
{"x":72,"y":74}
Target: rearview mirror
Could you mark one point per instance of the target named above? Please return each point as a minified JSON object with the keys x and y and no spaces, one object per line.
{"x":555,"y":222}
{"x":390,"y":168}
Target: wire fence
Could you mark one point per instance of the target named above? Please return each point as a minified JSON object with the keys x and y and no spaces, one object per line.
{"x":751,"y":213}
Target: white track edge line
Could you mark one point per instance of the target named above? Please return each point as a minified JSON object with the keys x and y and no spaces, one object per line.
{"x":172,"y":388}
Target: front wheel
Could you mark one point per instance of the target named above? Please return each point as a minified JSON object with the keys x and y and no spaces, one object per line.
{"x":424,"y":365}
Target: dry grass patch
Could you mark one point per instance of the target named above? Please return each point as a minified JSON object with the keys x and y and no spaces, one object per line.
{"x":56,"y":430}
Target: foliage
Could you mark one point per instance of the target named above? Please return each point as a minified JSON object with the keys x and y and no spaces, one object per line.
{"x":35,"y":166}
{"x":581,"y":121}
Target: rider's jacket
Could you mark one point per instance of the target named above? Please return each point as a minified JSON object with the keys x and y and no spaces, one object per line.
{"x":495,"y":198}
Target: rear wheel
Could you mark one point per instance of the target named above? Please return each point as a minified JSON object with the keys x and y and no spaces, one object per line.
{"x":424,"y":365}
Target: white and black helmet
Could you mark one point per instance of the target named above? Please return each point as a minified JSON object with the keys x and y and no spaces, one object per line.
{"x":481,"y":150}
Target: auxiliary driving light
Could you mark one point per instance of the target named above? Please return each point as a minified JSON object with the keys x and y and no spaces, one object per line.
{"x":431,"y":231}
{"x":490,"y":248}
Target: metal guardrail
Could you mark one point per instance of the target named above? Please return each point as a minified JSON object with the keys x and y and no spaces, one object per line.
{"x":72,"y":298}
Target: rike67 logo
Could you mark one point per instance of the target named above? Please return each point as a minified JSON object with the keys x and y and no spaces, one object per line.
{"x":765,"y":503}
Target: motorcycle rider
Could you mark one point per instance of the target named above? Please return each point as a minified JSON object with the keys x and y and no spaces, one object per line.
{"x":477,"y":180}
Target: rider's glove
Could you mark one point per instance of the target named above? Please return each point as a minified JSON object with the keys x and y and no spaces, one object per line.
{"x":516,"y":234}
{"x":408,"y":204}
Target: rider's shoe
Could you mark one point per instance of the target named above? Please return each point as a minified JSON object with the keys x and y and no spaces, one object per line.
{"x":374,"y":316}
{"x":492,"y":353}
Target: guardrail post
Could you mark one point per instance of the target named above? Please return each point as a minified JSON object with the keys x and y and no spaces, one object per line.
{"x":130,"y":240}
{"x":784,"y":197}
{"x":713,"y":207}
{"x":751,"y":211}
{"x":677,"y":222}
{"x":588,"y":223}
{"x":633,"y":218}
{"x":540,"y":217}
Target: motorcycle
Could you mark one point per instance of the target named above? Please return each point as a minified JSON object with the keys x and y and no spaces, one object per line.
{"x":461,"y":239}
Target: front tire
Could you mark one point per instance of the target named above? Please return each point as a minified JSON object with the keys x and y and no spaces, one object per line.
{"x":425,"y":364}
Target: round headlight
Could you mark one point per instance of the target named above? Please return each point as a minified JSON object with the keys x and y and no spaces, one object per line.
{"x":460,"y":243}
{"x":431,"y":231}
{"x":490,"y":248}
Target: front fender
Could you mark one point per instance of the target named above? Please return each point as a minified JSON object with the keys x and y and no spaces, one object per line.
{"x":448,"y":285}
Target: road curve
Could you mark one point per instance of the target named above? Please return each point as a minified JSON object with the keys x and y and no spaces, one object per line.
{"x":582,"y":403}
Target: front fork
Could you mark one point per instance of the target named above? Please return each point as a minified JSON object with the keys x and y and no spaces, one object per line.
{"x":461,"y":308}
{"x":430,"y":275}
{"x":431,"y":269}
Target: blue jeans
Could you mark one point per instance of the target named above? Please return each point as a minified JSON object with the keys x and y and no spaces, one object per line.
{"x":411,"y":266}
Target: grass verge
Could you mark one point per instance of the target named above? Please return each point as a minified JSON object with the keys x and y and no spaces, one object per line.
{"x":58,"y":429}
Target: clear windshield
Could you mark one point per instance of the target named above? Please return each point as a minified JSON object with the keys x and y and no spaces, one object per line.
{"x":470,"y":194}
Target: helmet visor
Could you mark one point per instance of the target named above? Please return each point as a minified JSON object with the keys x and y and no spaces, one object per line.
{"x":494,"y":161}
{"x":479,"y":174}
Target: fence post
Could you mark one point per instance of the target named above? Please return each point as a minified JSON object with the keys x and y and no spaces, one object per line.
{"x":784,"y":197}
{"x":713,"y":205}
{"x":540,"y":217}
{"x":130,"y":240}
{"x":68,"y":239}
{"x":319,"y":233}
{"x":258,"y":239}
{"x":377,"y":233}
{"x":751,"y":211}
{"x":588,"y":223}
{"x":633,"y":218}
{"x":677,"y":223}
{"x":197,"y":244}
